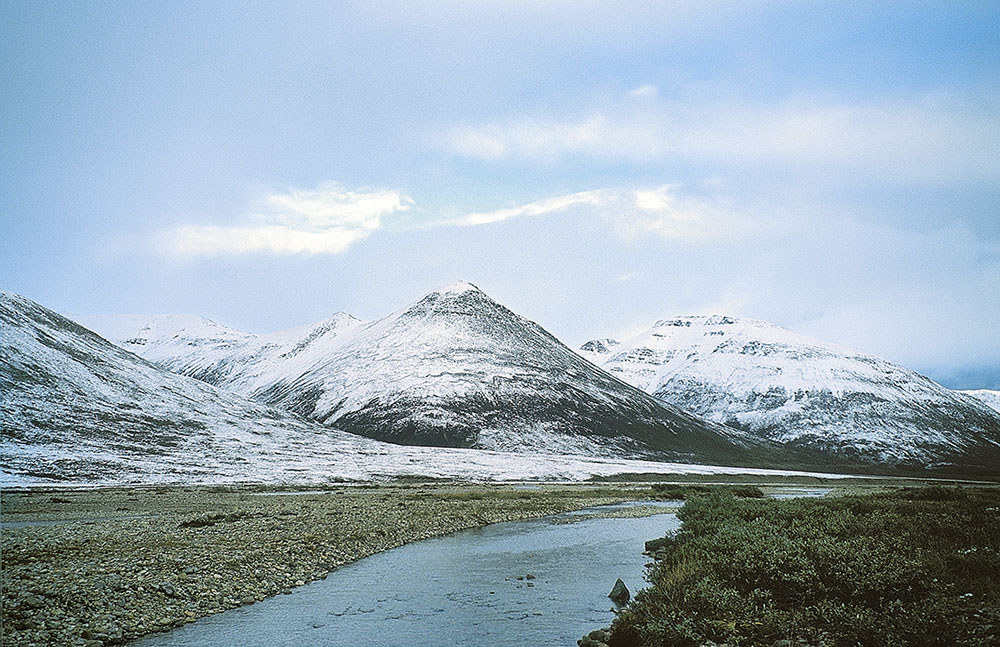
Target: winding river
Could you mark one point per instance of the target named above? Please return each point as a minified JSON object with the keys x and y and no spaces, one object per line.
{"x":540,"y":582}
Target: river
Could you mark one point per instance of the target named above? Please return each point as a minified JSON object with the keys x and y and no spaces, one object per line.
{"x":469,"y":589}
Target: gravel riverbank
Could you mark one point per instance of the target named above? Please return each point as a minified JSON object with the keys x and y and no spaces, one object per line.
{"x":100,"y":567}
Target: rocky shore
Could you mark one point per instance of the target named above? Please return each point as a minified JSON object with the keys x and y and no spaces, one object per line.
{"x":102,"y":566}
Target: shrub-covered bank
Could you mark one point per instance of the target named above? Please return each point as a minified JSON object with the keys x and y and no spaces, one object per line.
{"x":916,"y":566}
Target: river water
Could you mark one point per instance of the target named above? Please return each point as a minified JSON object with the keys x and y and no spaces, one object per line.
{"x":468,"y":589}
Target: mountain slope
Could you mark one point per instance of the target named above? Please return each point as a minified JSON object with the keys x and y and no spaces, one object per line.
{"x":75,"y":406}
{"x":458,"y":369}
{"x":989,"y":397}
{"x":777,"y":384}
{"x":200,"y":348}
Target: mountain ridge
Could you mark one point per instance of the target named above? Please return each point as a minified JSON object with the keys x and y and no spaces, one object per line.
{"x":765,"y":379}
{"x":455,"y":368}
{"x":77,"y":409}
{"x":990,"y":397}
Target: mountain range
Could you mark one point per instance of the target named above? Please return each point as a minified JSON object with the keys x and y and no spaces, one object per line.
{"x":184,"y":396}
{"x":801,"y":392}
{"x":76,"y":408}
{"x":453,"y":369}
{"x":988,"y":396}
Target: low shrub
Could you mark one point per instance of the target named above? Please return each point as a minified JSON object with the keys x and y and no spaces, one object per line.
{"x":918,"y":566}
{"x":682,"y":492}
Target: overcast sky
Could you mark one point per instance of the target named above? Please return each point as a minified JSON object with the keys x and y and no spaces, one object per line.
{"x":832,"y":167}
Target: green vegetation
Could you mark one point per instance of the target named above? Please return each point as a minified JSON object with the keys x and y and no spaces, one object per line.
{"x":916,"y":566}
{"x":677,"y":491}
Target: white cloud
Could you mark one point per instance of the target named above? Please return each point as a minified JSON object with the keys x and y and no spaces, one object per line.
{"x":327,"y":220}
{"x":330,"y":206}
{"x":207,"y":240}
{"x":664,"y":212}
{"x":922,"y":140}
{"x":931,"y":138}
{"x":542,"y":207}
{"x":661,"y":211}
{"x":647,"y":90}
{"x":549,"y":141}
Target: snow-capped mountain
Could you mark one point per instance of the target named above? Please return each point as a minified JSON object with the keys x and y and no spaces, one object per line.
{"x":453,"y":369}
{"x":990,"y":397}
{"x":76,"y":408}
{"x":801,"y":392}
{"x":598,"y":348}
{"x":202,"y":349}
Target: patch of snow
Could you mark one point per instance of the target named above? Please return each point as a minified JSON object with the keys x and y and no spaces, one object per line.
{"x":458,"y":287}
{"x":989,"y":396}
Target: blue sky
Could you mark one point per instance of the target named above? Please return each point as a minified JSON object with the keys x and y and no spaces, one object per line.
{"x":833,"y":167}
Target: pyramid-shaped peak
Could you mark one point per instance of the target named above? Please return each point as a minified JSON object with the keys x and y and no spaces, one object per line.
{"x":459,"y":298}
{"x":456,"y":288}
{"x":340,"y":317}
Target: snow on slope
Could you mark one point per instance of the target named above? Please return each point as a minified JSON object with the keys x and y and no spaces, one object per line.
{"x":457,"y":369}
{"x":76,"y":406}
{"x":756,"y":376}
{"x":989,"y":397}
{"x":76,"y":409}
{"x":202,"y":349}
{"x":596,"y":350}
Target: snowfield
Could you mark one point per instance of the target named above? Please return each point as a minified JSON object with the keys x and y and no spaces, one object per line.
{"x":989,"y":397}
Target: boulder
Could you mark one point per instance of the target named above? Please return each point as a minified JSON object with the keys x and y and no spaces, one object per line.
{"x":654,"y":545}
{"x":600,"y":635}
{"x":619,"y":593}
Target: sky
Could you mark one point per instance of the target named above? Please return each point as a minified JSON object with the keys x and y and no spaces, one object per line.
{"x":833,"y":167}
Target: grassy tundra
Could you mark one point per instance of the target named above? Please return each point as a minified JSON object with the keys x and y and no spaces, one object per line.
{"x":914,"y":566}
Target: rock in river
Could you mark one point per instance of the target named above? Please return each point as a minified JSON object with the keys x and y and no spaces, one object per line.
{"x":619,"y":593}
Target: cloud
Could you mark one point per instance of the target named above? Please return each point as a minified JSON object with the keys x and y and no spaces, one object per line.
{"x":549,"y":141}
{"x":647,"y":90}
{"x":551,"y":205}
{"x":929,"y":138}
{"x":205,"y":240}
{"x":327,"y":220}
{"x":925,"y":140}
{"x":662,"y":211}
